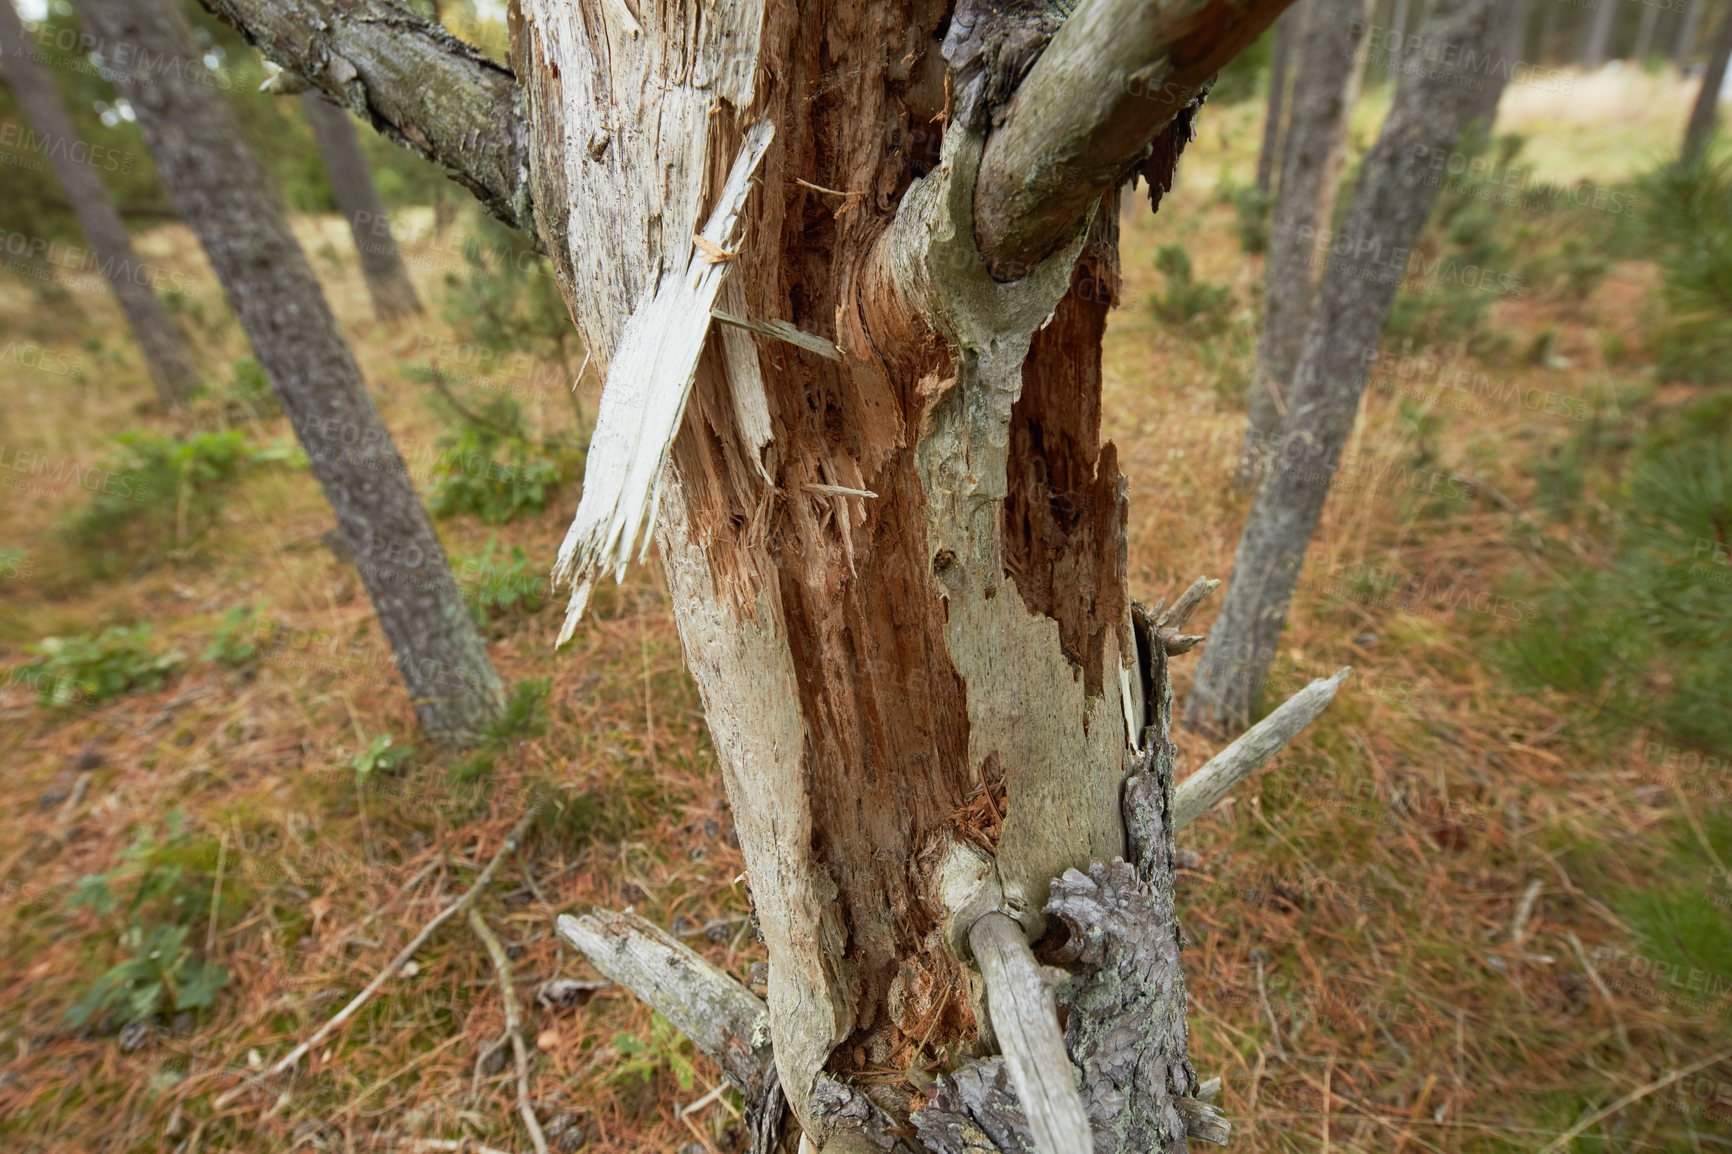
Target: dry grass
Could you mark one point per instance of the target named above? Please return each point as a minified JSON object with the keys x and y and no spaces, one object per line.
{"x":1350,"y":912}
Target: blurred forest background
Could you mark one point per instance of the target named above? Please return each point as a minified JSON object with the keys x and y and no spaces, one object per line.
{"x":1486,"y":895}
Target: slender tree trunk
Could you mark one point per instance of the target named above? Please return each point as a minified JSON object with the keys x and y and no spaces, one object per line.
{"x":1547,"y":51}
{"x":1389,"y":211}
{"x":1705,"y":112}
{"x":171,"y":367}
{"x":1599,"y":34}
{"x":1323,"y":96}
{"x":1645,"y":32}
{"x":222,"y":193}
{"x":381,"y":264}
{"x":1512,"y":38}
{"x":1278,"y":60}
{"x":1684,"y":47}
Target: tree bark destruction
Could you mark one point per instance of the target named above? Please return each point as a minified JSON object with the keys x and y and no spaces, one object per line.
{"x":894,"y":538}
{"x":223,"y":195}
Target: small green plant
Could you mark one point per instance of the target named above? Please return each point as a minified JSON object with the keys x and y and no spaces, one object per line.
{"x":1202,"y":308}
{"x":525,"y":715}
{"x":665,"y":1048}
{"x":169,"y":895}
{"x":239,"y":638}
{"x":492,"y":470}
{"x":381,"y":755}
{"x":496,"y":588}
{"x":250,"y":389}
{"x":155,"y":493}
{"x":71,"y":670}
{"x":1689,"y":223}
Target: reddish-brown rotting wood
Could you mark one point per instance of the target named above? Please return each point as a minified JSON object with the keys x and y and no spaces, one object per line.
{"x":1064,"y":517}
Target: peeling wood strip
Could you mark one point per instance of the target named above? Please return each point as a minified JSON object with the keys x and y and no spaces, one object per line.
{"x":1025,"y":1018}
{"x":746,"y":384}
{"x":1194,"y":796}
{"x":644,"y":401}
{"x":782,"y":331}
{"x":837,"y":490}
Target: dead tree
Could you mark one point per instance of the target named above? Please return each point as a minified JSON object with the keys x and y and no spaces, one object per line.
{"x":1324,"y":92}
{"x":1368,"y":262}
{"x":165,"y":355}
{"x":381,"y":264}
{"x":1705,"y":112}
{"x":853,"y":388}
{"x":223,"y":195}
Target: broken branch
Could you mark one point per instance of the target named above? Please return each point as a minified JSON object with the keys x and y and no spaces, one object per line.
{"x":1114,"y":77}
{"x":1025,"y":1018}
{"x":1194,"y":796}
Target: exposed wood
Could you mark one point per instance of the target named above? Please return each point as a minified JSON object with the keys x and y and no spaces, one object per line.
{"x":721,"y":1017}
{"x":1113,"y":77}
{"x":170,"y":366}
{"x":644,"y":400}
{"x":409,"y":79}
{"x":1198,"y":793}
{"x":1025,"y":1019}
{"x":781,"y":331}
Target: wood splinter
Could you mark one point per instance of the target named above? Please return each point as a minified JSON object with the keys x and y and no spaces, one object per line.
{"x":781,"y":331}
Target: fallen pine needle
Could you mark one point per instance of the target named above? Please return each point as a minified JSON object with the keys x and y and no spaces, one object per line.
{"x":391,"y":967}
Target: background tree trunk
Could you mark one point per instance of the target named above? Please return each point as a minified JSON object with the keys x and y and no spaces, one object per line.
{"x":1324,"y":92}
{"x":1598,"y":39}
{"x":165,"y":355}
{"x":1685,"y":46}
{"x":1511,"y":39}
{"x":223,"y":194}
{"x":381,"y":264}
{"x":1645,"y":33}
{"x":1389,"y":211}
{"x":1281,"y":53}
{"x":1706,"y":111}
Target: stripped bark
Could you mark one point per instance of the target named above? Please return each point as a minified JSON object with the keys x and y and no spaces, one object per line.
{"x":1389,"y":210}
{"x":381,"y":264}
{"x":1706,"y":111}
{"x":223,"y":195}
{"x":165,"y":356}
{"x":1324,"y":92}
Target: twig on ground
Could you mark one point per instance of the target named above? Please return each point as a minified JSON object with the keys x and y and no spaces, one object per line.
{"x":513,"y":1025}
{"x":1600,"y":985}
{"x":391,"y":967}
{"x":1519,"y":928}
{"x":1563,"y":1140}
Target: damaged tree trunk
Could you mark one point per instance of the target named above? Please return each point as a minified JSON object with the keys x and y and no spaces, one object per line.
{"x":381,"y":264}
{"x":224,"y":197}
{"x":1368,"y":264}
{"x":898,"y":571}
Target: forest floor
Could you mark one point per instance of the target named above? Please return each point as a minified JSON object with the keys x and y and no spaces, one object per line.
{"x":1422,"y":929}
